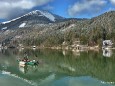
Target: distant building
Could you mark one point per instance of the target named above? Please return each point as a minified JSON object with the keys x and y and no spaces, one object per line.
{"x":107,"y":43}
{"x":76,"y":45}
{"x":77,"y":42}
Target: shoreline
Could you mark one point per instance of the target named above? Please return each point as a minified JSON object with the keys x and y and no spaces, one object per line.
{"x":63,"y":48}
{"x":69,"y":47}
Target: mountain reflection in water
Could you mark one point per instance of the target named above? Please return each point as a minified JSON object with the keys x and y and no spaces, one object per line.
{"x":64,"y":68}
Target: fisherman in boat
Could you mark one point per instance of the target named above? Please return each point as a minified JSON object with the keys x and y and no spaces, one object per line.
{"x":25,"y":59}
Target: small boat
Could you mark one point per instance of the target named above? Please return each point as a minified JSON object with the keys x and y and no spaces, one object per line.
{"x":21,"y":63}
{"x":32,"y":63}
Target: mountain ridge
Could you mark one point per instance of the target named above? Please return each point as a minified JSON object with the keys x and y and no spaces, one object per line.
{"x":34,"y":17}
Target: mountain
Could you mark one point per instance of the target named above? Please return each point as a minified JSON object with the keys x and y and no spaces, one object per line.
{"x":32,"y":18}
{"x":46,"y":29}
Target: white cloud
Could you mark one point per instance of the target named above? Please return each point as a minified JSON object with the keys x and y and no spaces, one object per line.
{"x":9,"y":6}
{"x":112,"y":1}
{"x":87,"y":6}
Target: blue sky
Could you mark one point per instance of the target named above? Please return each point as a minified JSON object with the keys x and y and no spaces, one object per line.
{"x":10,"y":9}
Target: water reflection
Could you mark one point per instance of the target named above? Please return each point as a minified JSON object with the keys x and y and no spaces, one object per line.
{"x":64,"y":52}
{"x":23,"y":69}
{"x":76,"y":53}
{"x":107,"y":52}
{"x":56,"y":66}
{"x":8,"y":79}
{"x":28,"y":69}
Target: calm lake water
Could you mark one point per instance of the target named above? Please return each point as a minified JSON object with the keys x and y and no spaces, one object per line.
{"x":58,"y":68}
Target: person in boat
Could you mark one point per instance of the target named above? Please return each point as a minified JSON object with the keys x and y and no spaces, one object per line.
{"x":25,"y":59}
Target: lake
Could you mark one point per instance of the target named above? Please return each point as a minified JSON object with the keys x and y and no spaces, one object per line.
{"x":58,"y":68}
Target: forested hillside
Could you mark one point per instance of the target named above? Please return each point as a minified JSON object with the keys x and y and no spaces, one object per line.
{"x":88,"y":31}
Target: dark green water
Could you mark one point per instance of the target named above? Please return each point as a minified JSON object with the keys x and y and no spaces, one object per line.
{"x":58,"y":68}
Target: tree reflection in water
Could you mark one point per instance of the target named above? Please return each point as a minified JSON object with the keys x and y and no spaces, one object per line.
{"x":62,"y":64}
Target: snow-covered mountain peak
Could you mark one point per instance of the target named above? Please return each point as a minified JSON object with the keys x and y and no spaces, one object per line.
{"x":48,"y":15}
{"x":32,"y":18}
{"x":33,"y":12}
{"x":43,"y":13}
{"x":39,"y":13}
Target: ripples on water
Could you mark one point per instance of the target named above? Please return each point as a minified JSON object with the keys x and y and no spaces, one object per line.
{"x":58,"y":68}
